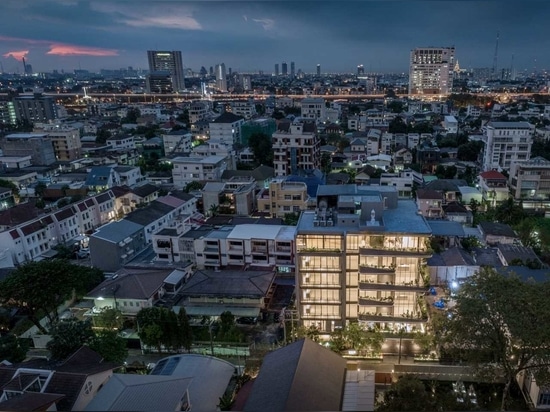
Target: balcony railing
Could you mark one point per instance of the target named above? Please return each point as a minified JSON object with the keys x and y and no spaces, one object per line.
{"x":376,"y":270}
{"x":389,"y":286}
{"x":317,"y":250}
{"x":375,"y":302}
{"x":390,"y":318}
{"x":395,"y":252}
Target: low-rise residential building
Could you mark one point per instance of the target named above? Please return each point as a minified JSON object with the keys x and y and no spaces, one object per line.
{"x":132,"y":289}
{"x":452,"y":265}
{"x":282,"y":197}
{"x":242,"y":292}
{"x":506,"y":142}
{"x":244,"y":108}
{"x":493,"y":187}
{"x":314,"y":109}
{"x":65,"y":139}
{"x":177,"y":141}
{"x":429,"y":203}
{"x":214,"y":147}
{"x":403,"y":181}
{"x":121,"y":142}
{"x":226,"y":128}
{"x":530,"y":179}
{"x":115,"y":244}
{"x":494,"y":233}
{"x":190,"y":169}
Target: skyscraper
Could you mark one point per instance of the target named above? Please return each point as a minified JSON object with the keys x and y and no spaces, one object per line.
{"x":284,"y":69}
{"x":276,"y":69}
{"x":318,"y":70}
{"x":168,"y":61}
{"x":431,"y":70}
{"x":360,"y":70}
{"x":221,"y":78}
{"x":292,"y":69}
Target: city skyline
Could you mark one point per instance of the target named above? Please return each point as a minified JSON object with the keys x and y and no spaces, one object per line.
{"x":254,"y":35}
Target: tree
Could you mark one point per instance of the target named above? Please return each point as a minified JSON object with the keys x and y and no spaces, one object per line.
{"x":398,"y":125}
{"x":109,"y":318}
{"x":13,"y":349}
{"x":102,"y":135}
{"x":189,"y":187}
{"x":291,"y":219}
{"x":312,"y":332}
{"x":500,"y":326}
{"x":262,"y":148}
{"x":43,"y":286}
{"x":109,"y":345}
{"x":354,"y":336}
{"x":67,"y":337}
{"x":10,"y":185}
{"x":39,"y":189}
{"x":407,"y":394}
{"x":185,"y":335}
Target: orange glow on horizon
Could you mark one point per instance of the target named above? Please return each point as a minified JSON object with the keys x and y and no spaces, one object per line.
{"x":17,"y":55}
{"x":70,"y":50}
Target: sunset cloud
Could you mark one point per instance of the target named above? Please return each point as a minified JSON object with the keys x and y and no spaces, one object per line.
{"x":17,"y":55}
{"x":70,"y":50}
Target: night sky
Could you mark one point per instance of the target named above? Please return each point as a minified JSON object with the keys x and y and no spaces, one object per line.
{"x":254,"y":35}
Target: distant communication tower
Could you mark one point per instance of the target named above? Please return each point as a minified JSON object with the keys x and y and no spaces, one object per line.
{"x":495,"y":59}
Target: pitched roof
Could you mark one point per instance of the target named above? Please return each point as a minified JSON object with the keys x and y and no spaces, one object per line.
{"x":228,"y":117}
{"x":20,"y":213}
{"x":492,"y":174}
{"x":227,"y":283}
{"x":147,"y":215}
{"x":98,"y":176}
{"x":144,"y":190}
{"x":117,"y":231}
{"x":497,"y":229}
{"x":301,"y":376}
{"x":180,"y":194}
{"x":428,"y":194}
{"x":132,"y":283}
{"x":140,"y":393}
{"x":455,"y":207}
{"x":31,"y":401}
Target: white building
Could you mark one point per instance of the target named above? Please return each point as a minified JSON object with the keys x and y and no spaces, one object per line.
{"x":431,"y":70}
{"x":244,"y":108}
{"x":189,"y":169}
{"x":121,"y":143}
{"x":199,"y":110}
{"x":450,"y":124}
{"x":313,"y":108}
{"x":506,"y":142}
{"x":177,"y":141}
{"x":227,"y":128}
{"x":296,"y":146}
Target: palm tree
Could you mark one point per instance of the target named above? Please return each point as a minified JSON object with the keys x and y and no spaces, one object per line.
{"x":214,"y":209}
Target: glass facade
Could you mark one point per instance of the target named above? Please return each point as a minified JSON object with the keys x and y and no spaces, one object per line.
{"x":372,"y":278}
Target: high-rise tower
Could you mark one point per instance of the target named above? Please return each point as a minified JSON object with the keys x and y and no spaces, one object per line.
{"x":318,"y":70}
{"x":284,"y":68}
{"x":431,"y":70}
{"x":221,"y":78}
{"x":292,"y":69}
{"x":168,"y":61}
{"x":276,"y":69}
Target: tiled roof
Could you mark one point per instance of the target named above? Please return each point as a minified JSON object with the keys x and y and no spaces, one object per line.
{"x":133,"y":284}
{"x":229,"y":283}
{"x":428,"y":194}
{"x":493,"y":174}
{"x":104,"y":197}
{"x":149,"y":214}
{"x":64,"y":214}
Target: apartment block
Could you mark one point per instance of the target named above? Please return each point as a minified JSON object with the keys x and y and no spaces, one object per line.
{"x":361,"y":256}
{"x":314,"y":109}
{"x":37,"y":145}
{"x":530,"y":179}
{"x":431,"y":70}
{"x":506,"y":142}
{"x":296,"y":146}
{"x":65,"y":140}
{"x":282,"y":197}
{"x":189,"y":169}
{"x":177,"y":141}
{"x":226,"y":128}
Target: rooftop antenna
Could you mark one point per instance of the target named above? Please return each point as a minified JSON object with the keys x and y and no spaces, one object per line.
{"x":495,"y":58}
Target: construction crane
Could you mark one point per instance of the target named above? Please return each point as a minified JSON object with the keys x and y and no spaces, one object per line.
{"x":495,"y":59}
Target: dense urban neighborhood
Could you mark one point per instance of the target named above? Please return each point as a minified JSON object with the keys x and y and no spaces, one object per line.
{"x":173,"y":239}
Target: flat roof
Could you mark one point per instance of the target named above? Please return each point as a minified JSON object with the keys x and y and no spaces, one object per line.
{"x":117,"y":231}
{"x":25,"y":135}
{"x":446,"y":228}
{"x":258,"y":231}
